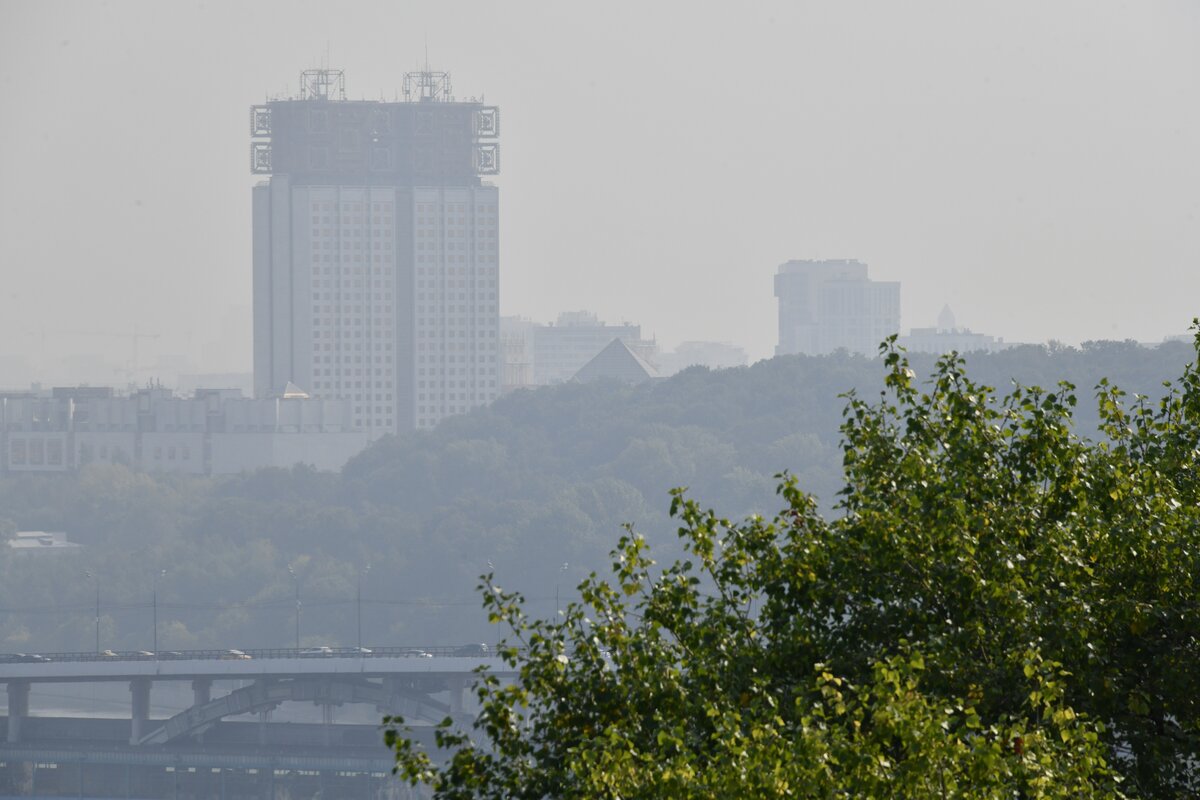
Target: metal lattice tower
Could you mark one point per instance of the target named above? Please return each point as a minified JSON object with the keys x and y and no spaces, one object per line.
{"x":323,"y":84}
{"x":427,"y":86}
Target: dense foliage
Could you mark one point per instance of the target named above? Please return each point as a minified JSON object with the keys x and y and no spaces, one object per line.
{"x":996,"y":608}
{"x":540,"y":480}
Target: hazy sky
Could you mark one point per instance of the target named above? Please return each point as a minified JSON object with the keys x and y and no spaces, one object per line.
{"x":1034,"y":164}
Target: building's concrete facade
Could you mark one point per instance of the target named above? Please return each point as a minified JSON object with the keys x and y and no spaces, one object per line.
{"x":948,"y":337}
{"x":211,"y":433}
{"x":516,"y":353}
{"x":939,"y":341}
{"x":826,"y":306}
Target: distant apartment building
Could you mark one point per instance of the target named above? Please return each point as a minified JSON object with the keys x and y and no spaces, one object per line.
{"x":948,"y":337}
{"x":210,"y":433}
{"x":560,"y":350}
{"x":376,"y":252}
{"x":825,"y":306}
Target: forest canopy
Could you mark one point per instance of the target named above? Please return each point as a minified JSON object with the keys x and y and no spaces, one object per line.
{"x":538,"y":485}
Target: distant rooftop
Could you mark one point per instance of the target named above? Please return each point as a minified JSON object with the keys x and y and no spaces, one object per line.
{"x":41,"y":540}
{"x":807,"y":265}
{"x":618,"y":362}
{"x":420,"y":86}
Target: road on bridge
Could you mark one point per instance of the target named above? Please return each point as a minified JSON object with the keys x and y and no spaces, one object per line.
{"x":249,"y":663}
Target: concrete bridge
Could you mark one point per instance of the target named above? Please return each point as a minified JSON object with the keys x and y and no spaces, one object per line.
{"x":392,"y":679}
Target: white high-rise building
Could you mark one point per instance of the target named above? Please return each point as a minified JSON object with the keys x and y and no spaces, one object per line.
{"x":456,"y":312}
{"x":832,"y":305}
{"x":376,"y":251}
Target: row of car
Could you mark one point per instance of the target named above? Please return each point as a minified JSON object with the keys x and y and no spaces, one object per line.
{"x":172,"y":655}
{"x":22,"y":658}
{"x":473,"y":650}
{"x":124,"y":655}
{"x":321,"y":651}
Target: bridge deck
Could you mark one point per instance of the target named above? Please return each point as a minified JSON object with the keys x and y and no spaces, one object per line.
{"x":216,"y":664}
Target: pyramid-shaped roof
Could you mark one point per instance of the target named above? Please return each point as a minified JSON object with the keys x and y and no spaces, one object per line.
{"x":294,"y":392}
{"x":616,"y":361}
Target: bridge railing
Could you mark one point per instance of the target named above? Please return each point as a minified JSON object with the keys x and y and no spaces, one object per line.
{"x":438,"y":651}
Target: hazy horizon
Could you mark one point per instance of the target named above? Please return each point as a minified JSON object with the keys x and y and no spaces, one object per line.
{"x":1031,"y":165}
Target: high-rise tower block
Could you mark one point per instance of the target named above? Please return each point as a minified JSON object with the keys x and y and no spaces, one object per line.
{"x":376,"y":250}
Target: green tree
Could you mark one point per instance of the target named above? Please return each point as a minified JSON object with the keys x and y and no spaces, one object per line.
{"x":998,"y":608}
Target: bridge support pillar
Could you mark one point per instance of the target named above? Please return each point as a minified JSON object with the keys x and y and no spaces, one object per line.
{"x":139,"y":688}
{"x":201,"y":691}
{"x":264,"y":719}
{"x":327,"y":723}
{"x":391,"y":693}
{"x":456,"y":683}
{"x":18,"y":708}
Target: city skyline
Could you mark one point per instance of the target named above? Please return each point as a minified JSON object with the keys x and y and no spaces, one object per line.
{"x":1031,"y":162}
{"x":327,"y":472}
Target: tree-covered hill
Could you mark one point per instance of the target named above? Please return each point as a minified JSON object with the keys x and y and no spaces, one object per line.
{"x":538,"y":486}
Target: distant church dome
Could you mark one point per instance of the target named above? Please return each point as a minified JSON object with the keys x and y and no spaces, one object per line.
{"x":946,"y":319}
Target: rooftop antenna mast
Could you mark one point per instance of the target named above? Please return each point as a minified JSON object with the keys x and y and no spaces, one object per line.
{"x":426,"y":85}
{"x":323,"y":84}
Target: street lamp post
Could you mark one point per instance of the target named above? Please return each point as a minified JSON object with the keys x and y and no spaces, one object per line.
{"x":154,"y":603}
{"x":96,"y":578}
{"x":296,"y":579}
{"x":358,"y":602}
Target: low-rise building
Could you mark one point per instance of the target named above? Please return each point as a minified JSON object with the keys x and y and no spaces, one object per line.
{"x":210,"y":433}
{"x":41,"y":541}
{"x":947,"y":337}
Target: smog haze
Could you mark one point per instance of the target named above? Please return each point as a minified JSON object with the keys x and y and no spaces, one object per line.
{"x":1033,"y":165}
